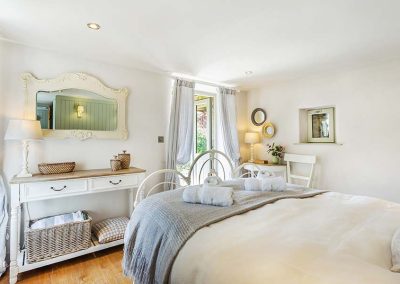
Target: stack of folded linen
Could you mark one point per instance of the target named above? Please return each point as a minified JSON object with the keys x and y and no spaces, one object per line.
{"x":59,"y":220}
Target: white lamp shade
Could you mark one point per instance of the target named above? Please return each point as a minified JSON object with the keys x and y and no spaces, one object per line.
{"x":19,"y":129}
{"x":251,"y":138}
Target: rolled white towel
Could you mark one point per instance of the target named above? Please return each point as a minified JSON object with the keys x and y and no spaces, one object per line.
{"x":273,"y":183}
{"x":236,"y":183}
{"x":191,"y":194}
{"x":263,"y":174}
{"x":252,"y":184}
{"x":278,"y":183}
{"x":266,"y":183}
{"x":212,"y":180}
{"x":216,"y":195}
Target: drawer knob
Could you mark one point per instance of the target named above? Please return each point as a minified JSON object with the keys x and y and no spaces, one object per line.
{"x":58,"y":189}
{"x":115,"y":183}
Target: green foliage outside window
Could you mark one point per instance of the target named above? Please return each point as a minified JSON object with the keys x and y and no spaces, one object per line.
{"x":201,"y":146}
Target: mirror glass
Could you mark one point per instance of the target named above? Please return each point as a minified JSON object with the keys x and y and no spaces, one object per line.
{"x":76,"y":109}
{"x":268,"y":130}
{"x":258,"y":116}
{"x":320,"y":125}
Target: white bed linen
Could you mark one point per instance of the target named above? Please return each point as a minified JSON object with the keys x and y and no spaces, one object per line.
{"x":331,"y":238}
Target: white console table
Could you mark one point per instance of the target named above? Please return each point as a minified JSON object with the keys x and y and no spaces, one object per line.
{"x":42,"y":187}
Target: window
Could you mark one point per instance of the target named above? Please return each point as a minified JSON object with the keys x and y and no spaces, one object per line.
{"x":203,"y":133}
{"x":203,"y":124}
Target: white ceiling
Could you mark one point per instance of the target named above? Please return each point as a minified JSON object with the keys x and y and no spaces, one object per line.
{"x":216,"y":40}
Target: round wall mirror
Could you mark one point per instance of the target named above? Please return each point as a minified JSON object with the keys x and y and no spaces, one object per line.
{"x":258,"y":116}
{"x":268,"y":130}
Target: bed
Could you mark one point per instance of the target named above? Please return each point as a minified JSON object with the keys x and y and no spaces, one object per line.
{"x":307,"y":236}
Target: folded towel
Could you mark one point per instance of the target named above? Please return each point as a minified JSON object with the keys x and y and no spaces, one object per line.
{"x":266,"y":183}
{"x":58,"y":220}
{"x":277,"y":183}
{"x":236,"y":183}
{"x":252,"y":184}
{"x":216,"y":195}
{"x":209,"y":195}
{"x":191,"y":194}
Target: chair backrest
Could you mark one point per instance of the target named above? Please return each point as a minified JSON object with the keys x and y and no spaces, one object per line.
{"x":302,"y":159}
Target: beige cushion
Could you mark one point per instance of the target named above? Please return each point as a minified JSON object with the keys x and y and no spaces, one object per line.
{"x":396,"y":251}
{"x":110,"y":229}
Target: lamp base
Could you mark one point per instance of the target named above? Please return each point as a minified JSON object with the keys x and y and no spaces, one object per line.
{"x":251,"y":160}
{"x":24,"y":174}
{"x":25,"y":152}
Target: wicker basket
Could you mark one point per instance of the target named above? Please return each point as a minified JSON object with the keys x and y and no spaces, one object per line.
{"x":115,"y":164}
{"x":42,"y":244}
{"x":125,"y":159}
{"x":56,"y":168}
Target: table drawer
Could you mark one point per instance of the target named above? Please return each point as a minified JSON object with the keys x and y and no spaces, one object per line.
{"x":51,"y":189}
{"x":114,"y":181}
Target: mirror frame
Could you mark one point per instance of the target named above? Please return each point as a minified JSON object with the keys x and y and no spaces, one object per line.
{"x":253,"y":114}
{"x":264,"y":130}
{"x":76,"y":81}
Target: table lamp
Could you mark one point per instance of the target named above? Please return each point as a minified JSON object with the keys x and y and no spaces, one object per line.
{"x":251,"y":138}
{"x":25,"y":131}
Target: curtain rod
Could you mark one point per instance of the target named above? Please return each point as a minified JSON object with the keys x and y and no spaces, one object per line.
{"x":196,"y":80}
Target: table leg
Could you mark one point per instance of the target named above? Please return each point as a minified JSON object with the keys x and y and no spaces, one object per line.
{"x":14,"y":244}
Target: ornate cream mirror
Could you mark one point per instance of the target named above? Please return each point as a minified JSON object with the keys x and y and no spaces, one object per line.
{"x":76,"y":105}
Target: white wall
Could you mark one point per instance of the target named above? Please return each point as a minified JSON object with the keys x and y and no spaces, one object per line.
{"x":1,"y":100}
{"x":147,"y":110}
{"x":367,"y":104}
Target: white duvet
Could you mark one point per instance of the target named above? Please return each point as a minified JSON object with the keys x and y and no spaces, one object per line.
{"x":331,"y":238}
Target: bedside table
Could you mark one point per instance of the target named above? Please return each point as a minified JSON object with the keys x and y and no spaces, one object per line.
{"x":277,"y":169}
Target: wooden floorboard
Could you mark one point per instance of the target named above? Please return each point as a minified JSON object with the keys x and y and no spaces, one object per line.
{"x":100,"y":267}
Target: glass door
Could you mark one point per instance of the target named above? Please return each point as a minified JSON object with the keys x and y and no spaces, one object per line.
{"x":203,"y":136}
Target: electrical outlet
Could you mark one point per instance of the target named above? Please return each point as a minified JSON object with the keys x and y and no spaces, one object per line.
{"x":160,"y":139}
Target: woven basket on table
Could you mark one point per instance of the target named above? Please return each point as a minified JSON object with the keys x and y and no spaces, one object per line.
{"x":56,"y":168}
{"x":42,"y":244}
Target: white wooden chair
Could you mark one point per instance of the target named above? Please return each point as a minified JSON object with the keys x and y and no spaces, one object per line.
{"x":302,"y":159}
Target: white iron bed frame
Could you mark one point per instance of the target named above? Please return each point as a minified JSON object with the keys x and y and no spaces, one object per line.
{"x":214,"y":158}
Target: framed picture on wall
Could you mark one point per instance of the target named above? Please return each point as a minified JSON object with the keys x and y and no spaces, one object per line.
{"x":321,"y":125}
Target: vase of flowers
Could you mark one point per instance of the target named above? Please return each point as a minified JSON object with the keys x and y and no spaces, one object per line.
{"x":276,"y":152}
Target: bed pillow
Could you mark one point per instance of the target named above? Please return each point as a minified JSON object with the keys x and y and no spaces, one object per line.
{"x":396,"y":251}
{"x":110,"y":229}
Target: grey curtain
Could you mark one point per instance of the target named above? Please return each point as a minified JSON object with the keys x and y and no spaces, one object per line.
{"x":227,"y":113}
{"x":180,"y":134}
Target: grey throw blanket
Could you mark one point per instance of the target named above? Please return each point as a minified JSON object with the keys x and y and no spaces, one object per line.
{"x":162,"y":223}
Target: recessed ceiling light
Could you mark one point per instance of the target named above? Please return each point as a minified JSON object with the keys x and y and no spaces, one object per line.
{"x":248,"y":73}
{"x":93,"y":26}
